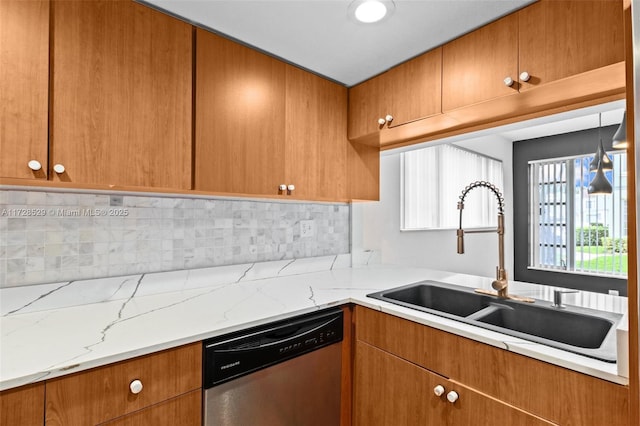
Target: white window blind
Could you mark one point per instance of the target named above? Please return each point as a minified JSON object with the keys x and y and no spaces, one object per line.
{"x":433,"y":179}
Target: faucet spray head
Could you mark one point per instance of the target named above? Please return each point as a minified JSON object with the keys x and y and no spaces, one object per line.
{"x":460,"y":234}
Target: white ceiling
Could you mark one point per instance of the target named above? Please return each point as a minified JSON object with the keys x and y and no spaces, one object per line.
{"x":319,"y":36}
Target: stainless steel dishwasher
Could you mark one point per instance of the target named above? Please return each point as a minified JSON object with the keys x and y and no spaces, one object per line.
{"x":286,"y":373}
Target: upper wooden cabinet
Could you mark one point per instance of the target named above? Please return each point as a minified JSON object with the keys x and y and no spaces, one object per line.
{"x":261,"y":123}
{"x":475,"y":65}
{"x":24,"y":85}
{"x":544,"y":42}
{"x":405,"y":93}
{"x":240,"y":118}
{"x":121,"y":95}
{"x":559,"y":39}
{"x":316,"y":136}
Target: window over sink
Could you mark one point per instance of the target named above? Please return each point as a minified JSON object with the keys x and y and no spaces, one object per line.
{"x":564,"y":236}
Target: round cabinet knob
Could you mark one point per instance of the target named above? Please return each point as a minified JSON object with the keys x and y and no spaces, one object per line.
{"x":58,"y":168}
{"x":525,"y":76}
{"x":381,"y":121}
{"x":508,"y":82}
{"x":291,"y":187}
{"x":452,"y":396}
{"x":135,"y":386}
{"x":282,"y":187}
{"x":439,"y":390}
{"x":34,"y":165}
{"x":389,"y":118}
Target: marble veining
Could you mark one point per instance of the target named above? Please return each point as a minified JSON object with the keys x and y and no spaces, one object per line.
{"x":140,"y":314}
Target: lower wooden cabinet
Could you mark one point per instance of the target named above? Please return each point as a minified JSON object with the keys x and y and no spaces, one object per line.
{"x":22,"y":406}
{"x":392,"y":391}
{"x":107,"y":393}
{"x":183,"y":410}
{"x":485,"y":375}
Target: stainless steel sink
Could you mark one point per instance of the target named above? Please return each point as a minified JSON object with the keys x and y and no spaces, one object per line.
{"x":584,"y":331}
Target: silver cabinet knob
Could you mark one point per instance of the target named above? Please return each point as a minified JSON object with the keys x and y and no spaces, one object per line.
{"x":135,"y":387}
{"x":381,"y":121}
{"x":452,"y":396}
{"x":282,"y":187}
{"x":389,"y":118}
{"x":525,"y":76}
{"x":291,"y":188}
{"x":438,"y":390}
{"x":34,"y":165}
{"x":59,"y":168}
{"x":508,"y":81}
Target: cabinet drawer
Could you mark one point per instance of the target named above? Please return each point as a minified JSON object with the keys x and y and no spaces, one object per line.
{"x":22,"y":406}
{"x":184,"y":410}
{"x":102,"y":394}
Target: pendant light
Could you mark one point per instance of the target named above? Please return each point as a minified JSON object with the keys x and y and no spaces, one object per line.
{"x":620,"y":137}
{"x":601,"y":162}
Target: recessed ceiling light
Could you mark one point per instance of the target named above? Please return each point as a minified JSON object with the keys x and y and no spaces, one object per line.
{"x":370,"y":11}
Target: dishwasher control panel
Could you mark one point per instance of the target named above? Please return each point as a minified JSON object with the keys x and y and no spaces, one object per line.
{"x":234,"y":355}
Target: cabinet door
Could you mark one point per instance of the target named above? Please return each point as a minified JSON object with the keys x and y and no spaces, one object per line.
{"x":184,"y":410}
{"x":559,"y":39}
{"x":475,"y":65}
{"x":368,"y":102}
{"x":316,"y":137}
{"x":415,"y":88}
{"x":24,"y":86}
{"x":407,"y":92}
{"x":391,"y":391}
{"x":240,"y":116}
{"x":104,"y":393}
{"x":121,"y":95}
{"x":23,"y":406}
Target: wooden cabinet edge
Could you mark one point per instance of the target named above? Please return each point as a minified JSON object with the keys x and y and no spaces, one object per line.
{"x":589,"y":88}
{"x":23,"y":405}
{"x":17,"y":183}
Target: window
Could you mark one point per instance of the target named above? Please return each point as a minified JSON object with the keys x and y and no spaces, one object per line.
{"x":571,"y":230}
{"x":564,"y":236}
{"x":433,"y":179}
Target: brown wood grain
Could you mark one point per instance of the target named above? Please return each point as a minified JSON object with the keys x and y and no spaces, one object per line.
{"x":316,"y":136}
{"x":185,"y":410}
{"x":558,"y":39}
{"x":408,"y":92}
{"x":102,"y":394}
{"x":240,"y":118}
{"x":121,"y":95}
{"x":346,"y":384}
{"x":22,"y":406}
{"x":475,"y":65}
{"x":514,"y":379}
{"x":24,"y":86}
{"x":392,"y":391}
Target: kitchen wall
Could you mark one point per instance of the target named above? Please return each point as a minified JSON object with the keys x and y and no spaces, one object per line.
{"x":376,"y":226}
{"x":63,"y":236}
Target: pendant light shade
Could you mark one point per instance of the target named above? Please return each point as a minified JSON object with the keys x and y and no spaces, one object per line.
{"x":620,"y":137}
{"x":600,"y":159}
{"x":599,"y":184}
{"x":601,"y":162}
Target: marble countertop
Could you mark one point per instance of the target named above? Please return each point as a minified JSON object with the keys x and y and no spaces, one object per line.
{"x":55,"y":329}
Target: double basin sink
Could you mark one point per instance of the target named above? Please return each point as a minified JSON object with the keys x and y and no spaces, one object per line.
{"x":583,"y":331}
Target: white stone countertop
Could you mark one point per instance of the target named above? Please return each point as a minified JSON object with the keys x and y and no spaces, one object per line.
{"x":55,"y":329}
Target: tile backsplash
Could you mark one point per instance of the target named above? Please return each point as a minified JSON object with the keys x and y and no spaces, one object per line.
{"x":65,"y":236}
